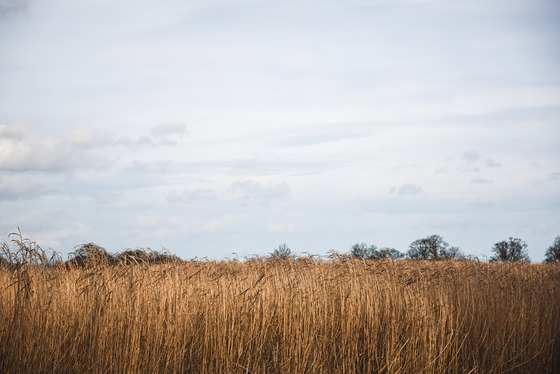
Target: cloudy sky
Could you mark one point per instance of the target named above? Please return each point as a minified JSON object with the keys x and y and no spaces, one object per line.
{"x":212,"y":127}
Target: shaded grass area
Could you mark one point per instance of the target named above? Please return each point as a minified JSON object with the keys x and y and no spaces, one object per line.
{"x":284,"y":316}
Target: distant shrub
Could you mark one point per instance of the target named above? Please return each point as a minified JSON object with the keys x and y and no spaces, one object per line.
{"x":282,"y":253}
{"x":90,"y":255}
{"x":140,"y":256}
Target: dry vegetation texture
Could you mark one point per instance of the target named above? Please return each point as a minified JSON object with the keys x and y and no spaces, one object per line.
{"x":296,"y":316}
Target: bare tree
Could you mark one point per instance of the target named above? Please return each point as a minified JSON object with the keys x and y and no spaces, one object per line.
{"x":513,"y":250}
{"x":433,"y":248}
{"x":552,"y":254}
{"x":390,"y":253}
{"x":363,"y":251}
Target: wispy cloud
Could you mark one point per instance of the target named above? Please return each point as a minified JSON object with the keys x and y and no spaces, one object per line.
{"x":54,"y":238}
{"x":481,"y":181}
{"x":226,"y":221}
{"x":118,"y":201}
{"x":491,"y":163}
{"x":13,"y":7}
{"x":149,"y":166}
{"x":481,"y":204}
{"x":408,"y":189}
{"x":470,"y":156}
{"x":162,"y":134}
{"x":554,"y":176}
{"x":18,"y":187}
{"x":280,"y":228}
{"x":471,"y":161}
{"x":165,"y":130}
{"x":251,"y":190}
{"x":178,"y":197}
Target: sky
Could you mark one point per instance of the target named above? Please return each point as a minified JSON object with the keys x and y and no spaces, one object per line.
{"x":225,"y":128}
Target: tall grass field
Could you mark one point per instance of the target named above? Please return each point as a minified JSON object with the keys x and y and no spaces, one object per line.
{"x":285,"y":316}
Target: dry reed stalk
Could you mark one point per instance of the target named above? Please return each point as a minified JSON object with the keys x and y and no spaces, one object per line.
{"x":339,"y":316}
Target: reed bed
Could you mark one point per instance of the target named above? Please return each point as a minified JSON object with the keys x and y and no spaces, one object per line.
{"x":289,"y":316}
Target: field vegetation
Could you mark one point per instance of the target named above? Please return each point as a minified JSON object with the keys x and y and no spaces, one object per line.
{"x":149,"y":313}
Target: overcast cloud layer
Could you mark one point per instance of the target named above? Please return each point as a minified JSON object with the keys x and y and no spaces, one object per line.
{"x":213,"y":127}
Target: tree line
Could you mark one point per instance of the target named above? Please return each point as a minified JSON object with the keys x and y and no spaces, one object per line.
{"x":431,"y":248}
{"x":435,"y":248}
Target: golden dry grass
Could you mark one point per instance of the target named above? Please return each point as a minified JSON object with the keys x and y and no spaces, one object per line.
{"x":295,"y":316}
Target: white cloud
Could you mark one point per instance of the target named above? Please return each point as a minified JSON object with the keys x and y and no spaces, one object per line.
{"x":17,"y":131}
{"x":83,"y":149}
{"x":21,"y":150}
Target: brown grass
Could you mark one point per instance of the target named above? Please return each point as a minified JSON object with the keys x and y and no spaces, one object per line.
{"x":295,"y":316}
